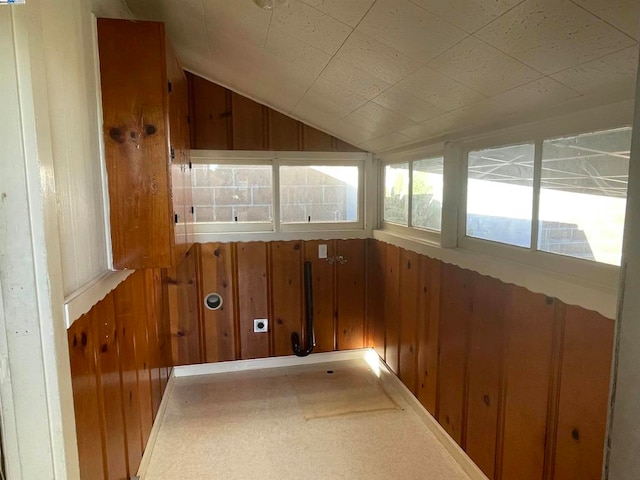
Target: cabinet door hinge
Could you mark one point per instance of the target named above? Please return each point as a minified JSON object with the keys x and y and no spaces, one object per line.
{"x":176,"y":217}
{"x":170,"y":87}
{"x":193,"y":210}
{"x":173,"y":154}
{"x":190,"y":165}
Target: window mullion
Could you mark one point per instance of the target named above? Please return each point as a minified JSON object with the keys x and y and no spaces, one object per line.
{"x":535,"y":213}
{"x":410,"y":199}
{"x":275,"y":192}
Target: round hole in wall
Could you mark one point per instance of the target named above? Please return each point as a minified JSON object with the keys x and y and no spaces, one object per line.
{"x":213,"y":301}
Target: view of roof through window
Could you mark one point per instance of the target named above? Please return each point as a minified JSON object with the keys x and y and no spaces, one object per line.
{"x":583,"y":188}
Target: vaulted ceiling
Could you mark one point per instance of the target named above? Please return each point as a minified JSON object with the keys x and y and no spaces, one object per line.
{"x":384,"y":73}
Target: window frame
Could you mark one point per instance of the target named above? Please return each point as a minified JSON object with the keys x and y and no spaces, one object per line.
{"x":246,"y":158}
{"x":276,"y":159}
{"x":579,"y":270}
{"x":410,"y":157}
{"x":297,"y":160}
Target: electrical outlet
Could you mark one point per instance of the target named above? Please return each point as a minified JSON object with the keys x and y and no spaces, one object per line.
{"x":260,"y":325}
{"x":322,"y":251}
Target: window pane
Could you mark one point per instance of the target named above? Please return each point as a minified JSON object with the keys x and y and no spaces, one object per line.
{"x":318,"y":194}
{"x":426,"y":194}
{"x":396,"y":194}
{"x":500,"y":194}
{"x":232,"y":193}
{"x":583,"y":195}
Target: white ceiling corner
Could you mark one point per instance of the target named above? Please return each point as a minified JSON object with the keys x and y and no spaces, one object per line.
{"x":385,"y":73}
{"x":552,"y":36}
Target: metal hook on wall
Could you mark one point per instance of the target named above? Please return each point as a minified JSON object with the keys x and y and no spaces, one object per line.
{"x":339,"y":259}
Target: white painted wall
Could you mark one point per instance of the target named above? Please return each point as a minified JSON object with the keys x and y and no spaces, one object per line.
{"x":76,"y":135}
{"x":111,"y":9}
{"x":35,"y":381}
{"x":623,"y":462}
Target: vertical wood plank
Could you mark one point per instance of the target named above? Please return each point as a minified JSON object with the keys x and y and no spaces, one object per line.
{"x":530,"y":329}
{"x":283,"y":132}
{"x":286,"y":277}
{"x":252,"y":298}
{"x":210,"y":116}
{"x":142,"y":350}
{"x":217,"y":277}
{"x":248,"y":124}
{"x":324,"y":312}
{"x":428,"y":318}
{"x":392,"y":306}
{"x":455,"y":312}
{"x":554,"y":389}
{"x":409,"y":270}
{"x":164,"y":333}
{"x":313,"y":140}
{"x":342,"y":146}
{"x":189,"y":305}
{"x":375,"y":294}
{"x":110,"y":386}
{"x":123,"y":298}
{"x":351,"y":282}
{"x":218,"y":123}
{"x":584,"y":391}
{"x":89,"y":428}
{"x":113,"y":351}
{"x":183,"y":310}
{"x":158,"y":334}
{"x":485,"y":371}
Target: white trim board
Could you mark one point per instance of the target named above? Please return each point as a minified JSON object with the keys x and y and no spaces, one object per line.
{"x":83,"y":299}
{"x":567,"y":289}
{"x":212,"y":237}
{"x":458,"y":454}
{"x":264,"y":363}
{"x":153,"y":436}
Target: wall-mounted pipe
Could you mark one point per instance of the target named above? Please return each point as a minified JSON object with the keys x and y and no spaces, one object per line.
{"x":311,"y":336}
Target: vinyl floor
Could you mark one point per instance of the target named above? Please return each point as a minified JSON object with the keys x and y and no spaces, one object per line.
{"x":335,"y":420}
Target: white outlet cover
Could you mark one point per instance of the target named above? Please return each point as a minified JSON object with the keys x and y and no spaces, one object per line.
{"x":260,"y":325}
{"x":322,"y":251}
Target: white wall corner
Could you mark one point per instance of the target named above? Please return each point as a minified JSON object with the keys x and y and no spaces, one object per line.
{"x":622,"y":461}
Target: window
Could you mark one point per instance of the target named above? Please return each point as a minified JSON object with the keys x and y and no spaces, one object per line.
{"x":227,"y":193}
{"x":413,"y":194}
{"x":396,"y":194}
{"x":583,"y":192}
{"x":426,"y":194}
{"x":500,"y":194}
{"x":564,"y":196}
{"x":319,"y":194}
{"x":271,"y":192}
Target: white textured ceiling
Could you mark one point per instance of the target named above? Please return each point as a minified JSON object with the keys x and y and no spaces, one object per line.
{"x":384,"y":73}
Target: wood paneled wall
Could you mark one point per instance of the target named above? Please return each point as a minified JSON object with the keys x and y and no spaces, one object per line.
{"x":519,"y":380}
{"x":265,"y":280}
{"x":224,"y":120}
{"x":120,"y":361}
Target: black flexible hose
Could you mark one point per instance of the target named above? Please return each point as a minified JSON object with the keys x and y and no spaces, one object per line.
{"x":311,"y":336}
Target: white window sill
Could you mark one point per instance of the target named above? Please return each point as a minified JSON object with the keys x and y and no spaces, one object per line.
{"x":82,"y":300}
{"x":270,"y":236}
{"x":601,"y":297}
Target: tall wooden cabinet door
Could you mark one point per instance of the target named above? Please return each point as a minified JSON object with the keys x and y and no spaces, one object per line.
{"x":134,"y":100}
